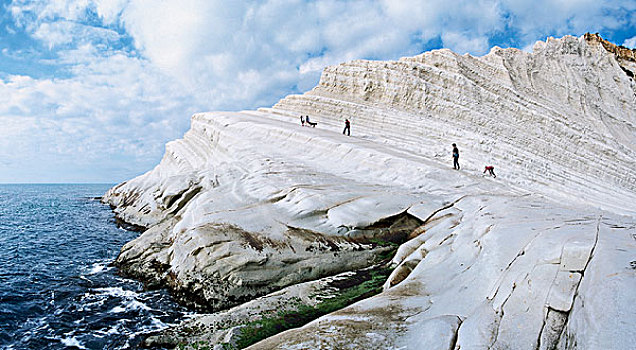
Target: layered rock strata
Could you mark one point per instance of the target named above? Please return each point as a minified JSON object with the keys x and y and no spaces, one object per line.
{"x":251,"y":204}
{"x":560,"y":118}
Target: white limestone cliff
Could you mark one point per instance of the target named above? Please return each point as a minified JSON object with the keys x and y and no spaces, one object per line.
{"x":543,"y":256}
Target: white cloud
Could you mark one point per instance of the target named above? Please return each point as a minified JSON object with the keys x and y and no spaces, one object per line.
{"x":64,"y":32}
{"x":631,"y":42}
{"x":461,"y":44}
{"x":110,"y":10}
{"x":113,"y":110}
{"x":537,"y":19}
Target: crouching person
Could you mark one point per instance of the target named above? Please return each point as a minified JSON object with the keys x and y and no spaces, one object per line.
{"x":490,"y":169}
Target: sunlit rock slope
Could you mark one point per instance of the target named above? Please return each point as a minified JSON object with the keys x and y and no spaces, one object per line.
{"x":543,"y":256}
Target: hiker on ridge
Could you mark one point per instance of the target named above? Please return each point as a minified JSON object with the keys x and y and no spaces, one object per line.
{"x":490,"y":169}
{"x":455,"y":157}
{"x":347,"y":128}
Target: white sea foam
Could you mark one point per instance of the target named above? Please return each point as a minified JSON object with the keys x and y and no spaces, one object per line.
{"x":82,"y":277}
{"x":129,"y":306}
{"x":99,"y":267}
{"x":156,"y":323}
{"x":117,"y":309}
{"x":117,"y":292}
{"x":72,"y":342}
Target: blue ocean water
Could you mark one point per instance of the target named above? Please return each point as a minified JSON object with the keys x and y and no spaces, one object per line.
{"x":57,"y":287}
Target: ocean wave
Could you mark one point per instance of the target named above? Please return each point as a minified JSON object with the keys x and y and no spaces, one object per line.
{"x":99,"y":267}
{"x":130,"y":305}
{"x":58,"y":284}
{"x":116,"y":292}
{"x":72,"y":342}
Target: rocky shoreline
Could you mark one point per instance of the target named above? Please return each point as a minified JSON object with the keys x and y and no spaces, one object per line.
{"x":235,"y":323}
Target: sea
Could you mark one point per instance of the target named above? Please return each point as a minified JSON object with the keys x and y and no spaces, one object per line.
{"x":58,"y":287}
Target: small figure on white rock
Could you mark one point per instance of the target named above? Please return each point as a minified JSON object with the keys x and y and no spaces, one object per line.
{"x":490,"y":169}
{"x":309,"y":122}
{"x":302,"y":120}
{"x":455,"y":157}
{"x":347,"y":128}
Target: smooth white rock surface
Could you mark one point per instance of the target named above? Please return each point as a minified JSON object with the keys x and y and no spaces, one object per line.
{"x":576,"y":255}
{"x":543,"y":256}
{"x":562,"y":290}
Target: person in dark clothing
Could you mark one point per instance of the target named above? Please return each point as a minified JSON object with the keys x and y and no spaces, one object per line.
{"x":302,"y":120}
{"x":455,"y":157}
{"x":347,"y":128}
{"x":312,"y":124}
{"x":490,"y":169}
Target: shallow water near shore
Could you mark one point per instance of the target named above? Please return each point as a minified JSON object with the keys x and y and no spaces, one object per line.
{"x":58,"y":289}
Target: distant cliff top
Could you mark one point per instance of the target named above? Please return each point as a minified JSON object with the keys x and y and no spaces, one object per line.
{"x":621,"y":52}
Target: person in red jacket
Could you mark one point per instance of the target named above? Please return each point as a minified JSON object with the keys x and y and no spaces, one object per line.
{"x":490,"y":169}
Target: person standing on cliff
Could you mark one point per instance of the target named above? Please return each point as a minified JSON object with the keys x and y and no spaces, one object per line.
{"x":347,"y":128}
{"x":455,"y":157}
{"x":302,"y":121}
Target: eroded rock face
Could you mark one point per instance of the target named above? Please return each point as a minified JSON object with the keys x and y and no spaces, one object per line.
{"x":249,"y":203}
{"x":290,"y":307}
{"x":496,"y":273}
{"x":215,"y":266}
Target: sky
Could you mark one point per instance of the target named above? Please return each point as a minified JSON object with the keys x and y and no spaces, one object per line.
{"x":91,"y":90}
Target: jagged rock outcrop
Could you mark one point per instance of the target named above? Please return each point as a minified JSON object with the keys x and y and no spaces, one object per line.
{"x":626,"y":57}
{"x":251,"y":203}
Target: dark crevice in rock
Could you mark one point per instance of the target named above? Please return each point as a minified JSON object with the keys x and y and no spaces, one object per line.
{"x":628,"y":72}
{"x":453,"y":342}
{"x":522,"y":252}
{"x":497,"y":325}
{"x":447,"y":206}
{"x":129,"y":199}
{"x":500,"y":314}
{"x":170,"y":200}
{"x":395,"y":229}
{"x":403,"y":271}
{"x":555,"y":323}
{"x":184,"y":198}
{"x":553,"y":326}
{"x":121,"y":223}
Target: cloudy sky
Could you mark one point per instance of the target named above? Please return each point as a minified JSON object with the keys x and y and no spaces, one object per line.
{"x":91,"y":90}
